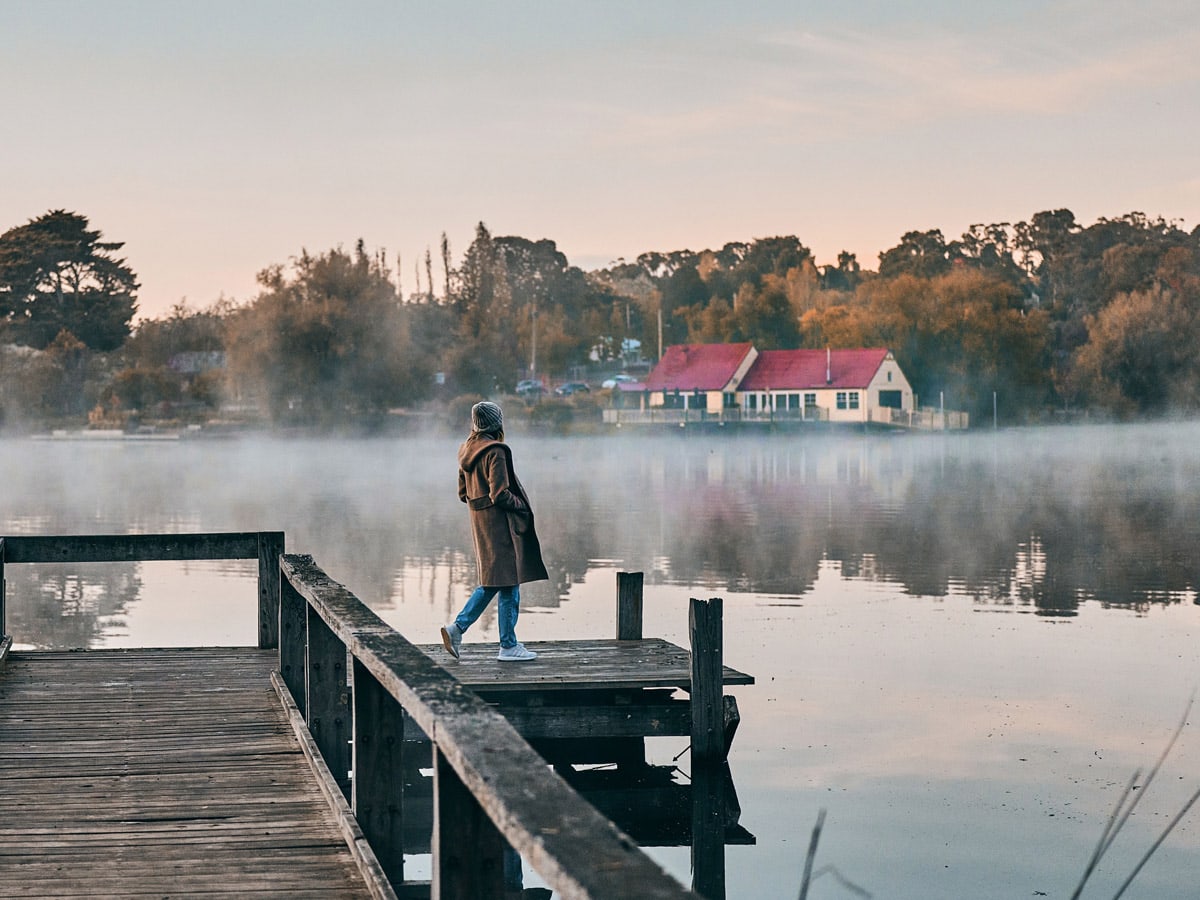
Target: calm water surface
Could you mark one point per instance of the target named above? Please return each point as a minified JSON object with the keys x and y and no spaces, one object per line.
{"x":964,"y":645}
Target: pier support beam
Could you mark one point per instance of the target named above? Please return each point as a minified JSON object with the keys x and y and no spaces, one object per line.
{"x":378,"y":783}
{"x":629,"y":606}
{"x":629,"y":753}
{"x":293,"y":644}
{"x":710,"y":782}
{"x":468,"y":851}
{"x":328,"y":709}
{"x":270,"y":548}
{"x":708,"y":710}
{"x":2,"y":620}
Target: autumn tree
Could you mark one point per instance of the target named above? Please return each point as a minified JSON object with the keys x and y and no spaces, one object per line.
{"x":173,"y":358}
{"x":765,"y":315}
{"x":324,"y":341}
{"x":48,"y":386}
{"x":57,"y":274}
{"x":1140,"y":356}
{"x":923,"y":254}
{"x":484,"y":354}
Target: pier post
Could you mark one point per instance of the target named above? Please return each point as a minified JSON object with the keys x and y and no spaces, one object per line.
{"x":378,"y":783}
{"x":328,"y":711}
{"x":468,"y":851}
{"x":293,"y":643}
{"x":709,"y":785}
{"x":2,"y":590}
{"x":270,"y":548}
{"x":708,"y":715}
{"x":629,"y":606}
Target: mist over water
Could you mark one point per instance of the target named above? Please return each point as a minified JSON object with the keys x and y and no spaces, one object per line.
{"x":964,"y":644}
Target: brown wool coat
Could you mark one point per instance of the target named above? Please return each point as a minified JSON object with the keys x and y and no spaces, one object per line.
{"x":507,"y":551}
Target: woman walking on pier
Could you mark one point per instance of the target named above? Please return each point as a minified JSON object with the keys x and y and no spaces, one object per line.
{"x":507,"y":552}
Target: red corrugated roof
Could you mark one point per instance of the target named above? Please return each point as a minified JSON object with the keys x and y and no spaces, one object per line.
{"x":781,"y":370}
{"x":697,"y":367}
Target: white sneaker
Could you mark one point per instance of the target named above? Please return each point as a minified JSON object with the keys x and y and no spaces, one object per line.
{"x":517,"y":653}
{"x":452,"y":639}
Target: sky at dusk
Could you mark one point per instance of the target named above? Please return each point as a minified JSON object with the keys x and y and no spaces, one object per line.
{"x":217,"y":138}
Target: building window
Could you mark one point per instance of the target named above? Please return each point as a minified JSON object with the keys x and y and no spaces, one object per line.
{"x":841,"y":399}
{"x":854,"y":399}
{"x":752,"y":401}
{"x":793,"y":401}
{"x":889,"y":376}
{"x":810,"y":399}
{"x":730,"y":400}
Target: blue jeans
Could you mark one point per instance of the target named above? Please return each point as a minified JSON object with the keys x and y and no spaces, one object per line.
{"x":509,"y":609}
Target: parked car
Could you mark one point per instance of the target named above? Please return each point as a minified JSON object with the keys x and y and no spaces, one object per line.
{"x":617,"y":379}
{"x":529,"y":387}
{"x":572,"y":387}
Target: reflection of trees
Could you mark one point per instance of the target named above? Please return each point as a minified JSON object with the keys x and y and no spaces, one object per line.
{"x":1009,"y":519}
{"x":59,"y":606}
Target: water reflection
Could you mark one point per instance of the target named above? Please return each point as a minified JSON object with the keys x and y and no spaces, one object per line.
{"x":1038,"y":521}
{"x":871,"y":584}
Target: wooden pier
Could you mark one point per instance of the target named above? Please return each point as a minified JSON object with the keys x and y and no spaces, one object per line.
{"x":164,"y":773}
{"x":282,"y":769}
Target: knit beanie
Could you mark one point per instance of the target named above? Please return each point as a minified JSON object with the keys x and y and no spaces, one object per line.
{"x":486,"y":416}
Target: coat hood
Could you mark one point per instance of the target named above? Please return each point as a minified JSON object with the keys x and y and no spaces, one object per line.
{"x":473,"y":447}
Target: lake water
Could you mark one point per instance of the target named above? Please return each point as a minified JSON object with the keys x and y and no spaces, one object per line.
{"x":964,"y":645}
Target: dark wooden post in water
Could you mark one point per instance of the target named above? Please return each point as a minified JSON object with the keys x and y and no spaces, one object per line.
{"x":467,"y":848}
{"x":378,"y":784}
{"x":709,"y":747}
{"x":328,"y":712}
{"x":708,"y":719}
{"x":629,"y":606}
{"x":709,"y":780}
{"x":629,"y":752}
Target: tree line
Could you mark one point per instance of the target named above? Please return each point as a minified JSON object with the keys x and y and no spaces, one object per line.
{"x":1048,"y":315}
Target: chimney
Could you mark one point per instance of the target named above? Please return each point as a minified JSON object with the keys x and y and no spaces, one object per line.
{"x":828,"y":366}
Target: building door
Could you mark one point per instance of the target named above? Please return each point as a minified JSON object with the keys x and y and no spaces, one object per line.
{"x":891,"y":399}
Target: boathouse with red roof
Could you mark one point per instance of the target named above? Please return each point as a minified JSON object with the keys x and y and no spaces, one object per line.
{"x":859,"y":385}
{"x":737,"y":382}
{"x":700,"y":376}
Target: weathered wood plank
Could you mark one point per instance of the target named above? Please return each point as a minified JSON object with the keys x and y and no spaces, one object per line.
{"x":225,"y":810}
{"x":341,"y":611}
{"x":574,"y":665}
{"x":132,"y":547}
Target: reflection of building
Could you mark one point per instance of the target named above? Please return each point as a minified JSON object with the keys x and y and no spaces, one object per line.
{"x":736,"y":382}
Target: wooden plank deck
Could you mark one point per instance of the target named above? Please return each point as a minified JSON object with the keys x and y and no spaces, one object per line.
{"x":161,"y":773}
{"x":577,"y":665}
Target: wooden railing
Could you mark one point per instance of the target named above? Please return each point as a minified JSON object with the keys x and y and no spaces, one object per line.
{"x":490,"y":788}
{"x":265,"y":546}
